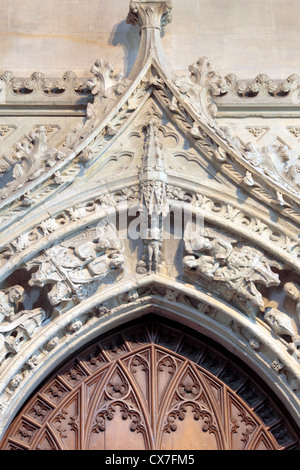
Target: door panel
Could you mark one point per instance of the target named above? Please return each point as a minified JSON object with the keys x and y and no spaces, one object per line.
{"x":152,"y":386}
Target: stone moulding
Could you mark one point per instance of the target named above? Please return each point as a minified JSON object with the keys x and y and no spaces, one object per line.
{"x":154,"y":294}
{"x":78,"y":278}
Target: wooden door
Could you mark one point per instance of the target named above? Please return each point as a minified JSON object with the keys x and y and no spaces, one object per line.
{"x":150,"y":386}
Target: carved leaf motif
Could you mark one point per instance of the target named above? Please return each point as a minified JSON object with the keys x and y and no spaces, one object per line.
{"x":38,"y":82}
{"x":234,"y":85}
{"x":277,"y":162}
{"x":204,"y":83}
{"x":32,"y":156}
{"x":118,"y":387}
{"x":10,"y":81}
{"x":25,"y":432}
{"x":189,"y":388}
{"x":204,"y":75}
{"x":263,"y":84}
{"x":104,"y":84}
{"x":69,"y":81}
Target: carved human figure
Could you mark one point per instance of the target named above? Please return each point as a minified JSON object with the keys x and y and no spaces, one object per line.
{"x":154,"y":243}
{"x":98,"y":268}
{"x":293,"y":291}
{"x":9,"y":300}
{"x":78,"y":265}
{"x":231,"y":271}
{"x":29,"y":322}
{"x":204,"y":265}
{"x":16,"y":327}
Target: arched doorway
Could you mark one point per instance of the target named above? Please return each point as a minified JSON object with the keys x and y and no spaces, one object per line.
{"x":151,"y":385}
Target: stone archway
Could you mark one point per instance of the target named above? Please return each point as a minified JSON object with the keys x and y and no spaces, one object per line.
{"x":161,"y":387}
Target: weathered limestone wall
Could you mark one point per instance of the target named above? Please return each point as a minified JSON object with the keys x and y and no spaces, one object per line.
{"x":245,"y":37}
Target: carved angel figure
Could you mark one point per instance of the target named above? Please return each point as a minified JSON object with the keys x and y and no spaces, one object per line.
{"x":229,"y":269}
{"x":78,"y":266}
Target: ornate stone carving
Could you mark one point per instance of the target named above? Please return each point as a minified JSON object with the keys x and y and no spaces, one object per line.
{"x":278,"y":163}
{"x":228,"y":268}
{"x":77,"y":267}
{"x":105,"y":85}
{"x":292,"y":290}
{"x":282,"y":324}
{"x":38,"y":86}
{"x":16,"y":327}
{"x":203,"y":84}
{"x":263,"y":84}
{"x":150,"y":16}
{"x":153,"y":198}
{"x":32,"y":157}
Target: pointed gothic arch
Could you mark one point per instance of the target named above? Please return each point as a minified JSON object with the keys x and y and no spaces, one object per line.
{"x":149,"y":205}
{"x":161,"y":386}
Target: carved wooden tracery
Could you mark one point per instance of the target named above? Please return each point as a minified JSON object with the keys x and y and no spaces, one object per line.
{"x":151,"y":386}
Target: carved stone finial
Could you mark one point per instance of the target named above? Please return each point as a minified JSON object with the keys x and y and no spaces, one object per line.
{"x":151,"y":16}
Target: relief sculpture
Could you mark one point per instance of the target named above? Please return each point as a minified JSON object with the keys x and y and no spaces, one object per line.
{"x":229,"y":268}
{"x":16,"y":327}
{"x":77,"y":267}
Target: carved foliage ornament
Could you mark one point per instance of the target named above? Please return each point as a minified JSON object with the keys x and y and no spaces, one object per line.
{"x":32,"y":156}
{"x":150,"y":14}
{"x":203,"y":84}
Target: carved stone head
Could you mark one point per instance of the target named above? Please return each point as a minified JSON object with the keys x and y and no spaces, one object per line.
{"x":189,"y":262}
{"x":16,"y":294}
{"x":117,"y":261}
{"x":292,"y":291}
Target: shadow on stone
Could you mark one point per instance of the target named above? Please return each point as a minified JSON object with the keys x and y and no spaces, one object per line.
{"x":128,"y":37}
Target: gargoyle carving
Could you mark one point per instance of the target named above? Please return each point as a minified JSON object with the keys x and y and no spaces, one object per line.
{"x":228,"y":268}
{"x":32,"y":156}
{"x":16,"y":327}
{"x":77,"y":267}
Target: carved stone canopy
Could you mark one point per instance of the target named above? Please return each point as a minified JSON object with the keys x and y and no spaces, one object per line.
{"x":151,"y":198}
